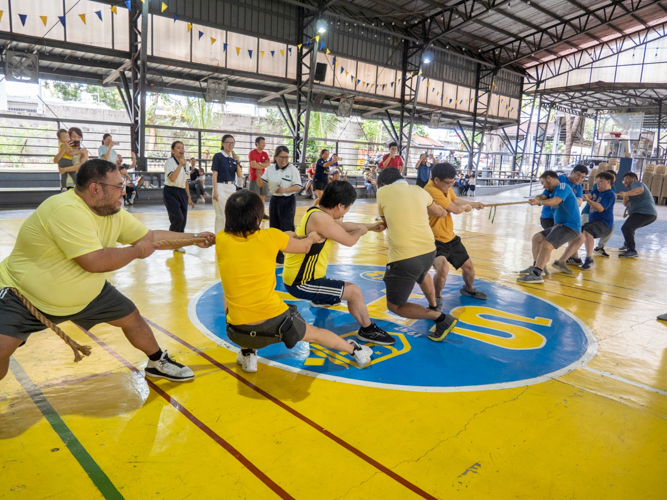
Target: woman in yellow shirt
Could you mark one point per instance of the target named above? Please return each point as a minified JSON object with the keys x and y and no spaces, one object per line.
{"x":256,"y":315}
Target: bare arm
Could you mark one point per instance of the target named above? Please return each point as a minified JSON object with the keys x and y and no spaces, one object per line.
{"x":134,"y":160}
{"x":473,"y":204}
{"x":632,"y":192}
{"x":174,"y":175}
{"x":435,"y":210}
{"x":301,"y":245}
{"x":330,"y":229}
{"x":551,"y":202}
{"x":108,"y":153}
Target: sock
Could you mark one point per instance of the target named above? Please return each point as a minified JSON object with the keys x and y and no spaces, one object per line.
{"x":534,"y":262}
{"x":156,"y":355}
{"x":366,"y":329}
{"x":442,"y":317}
{"x":537,"y":271}
{"x":247,"y":352}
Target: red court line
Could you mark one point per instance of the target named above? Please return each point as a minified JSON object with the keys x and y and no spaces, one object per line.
{"x":207,"y":430}
{"x":401,"y":480}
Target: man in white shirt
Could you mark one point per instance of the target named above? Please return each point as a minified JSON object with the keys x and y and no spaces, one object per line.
{"x":284,"y":182}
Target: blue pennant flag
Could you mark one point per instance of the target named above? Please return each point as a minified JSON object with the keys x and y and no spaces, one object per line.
{"x":450,"y":101}
{"x":308,"y":43}
{"x":367,"y":85}
{"x":201,"y":34}
{"x":352,"y":78}
{"x":128,"y":4}
{"x":224,"y":47}
{"x":341,"y":70}
{"x":175,"y":16}
{"x":358,"y":81}
{"x":250,"y":53}
{"x":432,"y":89}
{"x":99,"y":14}
{"x":423,"y":78}
{"x":290,"y":50}
{"x":62,"y":20}
{"x":334,"y":61}
{"x":321,"y":45}
{"x":391,"y":84}
{"x":273,"y":52}
{"x":23,"y":17}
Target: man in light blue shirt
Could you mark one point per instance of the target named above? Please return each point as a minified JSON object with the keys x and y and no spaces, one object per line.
{"x":574,"y":180}
{"x":641,"y":212}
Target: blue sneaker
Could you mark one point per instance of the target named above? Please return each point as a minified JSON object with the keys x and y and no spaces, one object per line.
{"x":629,"y":254}
{"x":588,"y":264}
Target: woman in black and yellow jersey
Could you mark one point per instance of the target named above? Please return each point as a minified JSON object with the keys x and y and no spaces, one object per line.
{"x":304,"y":275}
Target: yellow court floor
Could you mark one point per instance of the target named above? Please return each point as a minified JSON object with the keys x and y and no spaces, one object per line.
{"x":551,"y":391}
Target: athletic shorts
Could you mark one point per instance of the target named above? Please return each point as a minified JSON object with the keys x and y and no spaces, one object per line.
{"x":401,"y":276}
{"x":254,"y":188}
{"x":546,"y":223}
{"x":269,"y":330}
{"x":320,"y":291}
{"x":454,"y":251}
{"x":319,"y":186}
{"x":559,"y":234}
{"x":597,"y":229}
{"x":16,"y":321}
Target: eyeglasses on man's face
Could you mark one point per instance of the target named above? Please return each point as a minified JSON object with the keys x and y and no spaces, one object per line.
{"x":121,"y":186}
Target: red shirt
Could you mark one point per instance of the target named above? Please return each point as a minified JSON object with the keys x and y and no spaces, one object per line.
{"x":396,"y":162}
{"x":311,"y":172}
{"x":260,"y":158}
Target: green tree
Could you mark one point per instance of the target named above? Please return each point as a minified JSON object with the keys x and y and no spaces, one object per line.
{"x":109,"y":96}
{"x":74,"y":92}
{"x":374,"y":130}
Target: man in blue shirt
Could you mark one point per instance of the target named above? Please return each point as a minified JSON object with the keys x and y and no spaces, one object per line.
{"x":574,"y":180}
{"x":641,"y":212}
{"x":561,"y":198}
{"x":601,"y":202}
{"x":599,"y":250}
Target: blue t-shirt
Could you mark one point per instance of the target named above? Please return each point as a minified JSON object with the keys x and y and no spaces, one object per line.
{"x":607,"y":199}
{"x":587,"y":208}
{"x":424,"y":172}
{"x":225,"y":166}
{"x":321,"y":173}
{"x":642,"y":203}
{"x":567,"y":211}
{"x":547,"y":213}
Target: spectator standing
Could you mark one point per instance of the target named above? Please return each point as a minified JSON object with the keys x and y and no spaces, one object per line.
{"x":106,"y":150}
{"x":284,"y":181}
{"x":64,"y":160}
{"x":78,"y":153}
{"x":424,"y":169}
{"x":392,"y":159}
{"x":472,"y":182}
{"x":322,"y":173}
{"x":259,"y":161}
{"x":226,"y":168}
{"x":176,"y":192}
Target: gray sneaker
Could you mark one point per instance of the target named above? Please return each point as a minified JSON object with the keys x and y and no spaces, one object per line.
{"x":528,"y":270}
{"x":561,"y":268}
{"x":530,"y":278}
{"x":474,"y":293}
{"x":663,"y":317}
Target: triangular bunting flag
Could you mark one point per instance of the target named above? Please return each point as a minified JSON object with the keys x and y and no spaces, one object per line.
{"x":114,"y":9}
{"x":352,"y":78}
{"x":261,"y":53}
{"x":328,"y":52}
{"x":189,"y":27}
{"x":83,"y":18}
{"x":224,"y":47}
{"x":450,"y":101}
{"x":175,"y":17}
{"x":62,"y":20}
{"x":317,"y":38}
{"x":321,"y":45}
{"x":423,"y":77}
{"x":289,"y":49}
{"x":282,"y":52}
{"x":437,"y":94}
{"x":213,"y":40}
{"x":346,"y":73}
{"x":307,"y":43}
{"x":99,"y":14}
{"x":358,"y":81}
{"x":201,"y":34}
{"x":43,"y":18}
{"x":383,"y":86}
{"x":411,"y":73}
{"x":428,"y":84}
{"x":23,"y":17}
{"x":164,"y":7}
{"x":128,"y":4}
{"x":238,"y":51}
{"x":367,"y":85}
{"x":420,"y":72}
{"x":298,"y":47}
{"x":1,"y":13}
{"x":433,"y":89}
{"x":391,"y":84}
{"x":250,"y":53}
{"x":273,"y":53}
{"x":341,"y":70}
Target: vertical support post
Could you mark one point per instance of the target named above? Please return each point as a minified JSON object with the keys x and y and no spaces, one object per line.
{"x":142,"y":81}
{"x":199,"y":148}
{"x":595,"y":131}
{"x":138,"y":58}
{"x":307,"y":57}
{"x":540,"y":139}
{"x":659,"y":126}
{"x":411,"y":72}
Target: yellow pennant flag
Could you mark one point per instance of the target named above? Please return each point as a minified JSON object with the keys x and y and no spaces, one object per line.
{"x":189,"y":27}
{"x":299,"y":46}
{"x":346,"y":73}
{"x":164,"y":7}
{"x":420,"y":72}
{"x":213,"y":40}
{"x":317,"y":38}
{"x":411,"y":73}
{"x":437,"y":94}
{"x":1,"y":13}
{"x":114,"y":9}
{"x":328,"y":52}
{"x":372,"y":85}
{"x":261,"y":52}
{"x":43,"y":18}
{"x":428,"y":83}
{"x":282,"y":52}
{"x":83,"y":18}
{"x":238,"y":51}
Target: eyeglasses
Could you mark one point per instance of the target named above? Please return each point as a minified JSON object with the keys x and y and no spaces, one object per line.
{"x":230,"y":142}
{"x":121,"y":187}
{"x":282,"y":157}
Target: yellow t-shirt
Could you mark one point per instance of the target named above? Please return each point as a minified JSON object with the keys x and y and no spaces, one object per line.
{"x":60,"y":146}
{"x":300,"y":268}
{"x":404,"y":207}
{"x":62,"y":228}
{"x":442,"y":227}
{"x":248,"y":274}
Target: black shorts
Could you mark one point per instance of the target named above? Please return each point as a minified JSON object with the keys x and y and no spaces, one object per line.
{"x":454,"y":251}
{"x":321,"y":291}
{"x":546,"y":223}
{"x":246,"y":336}
{"x":597,"y":229}
{"x":16,"y":321}
{"x":319,"y":186}
{"x":472,"y":187}
{"x":400,"y":277}
{"x":559,"y":234}
{"x":421,"y":183}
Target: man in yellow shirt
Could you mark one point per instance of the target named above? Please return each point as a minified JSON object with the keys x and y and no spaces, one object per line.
{"x":58,"y":263}
{"x":256,"y":316}
{"x":448,"y":246}
{"x":406,"y":210}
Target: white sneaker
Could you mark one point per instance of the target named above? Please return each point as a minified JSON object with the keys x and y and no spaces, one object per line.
{"x":180,"y":250}
{"x":134,"y":195}
{"x":248,"y":362}
{"x":362,"y":354}
{"x":165,"y":367}
{"x":206,"y":195}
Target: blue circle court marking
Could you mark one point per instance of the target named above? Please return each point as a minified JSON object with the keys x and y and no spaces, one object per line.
{"x":513,"y":339}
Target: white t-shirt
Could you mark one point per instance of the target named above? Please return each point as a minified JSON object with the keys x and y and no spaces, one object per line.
{"x":285,"y":178}
{"x":170,"y":167}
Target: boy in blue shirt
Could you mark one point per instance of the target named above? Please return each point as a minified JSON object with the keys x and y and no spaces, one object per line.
{"x":561,"y":198}
{"x":574,"y":180}
{"x":599,"y":250}
{"x":601,"y":201}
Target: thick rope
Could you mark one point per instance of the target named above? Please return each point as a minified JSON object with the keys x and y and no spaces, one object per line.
{"x":505,"y":204}
{"x":75,"y":346}
{"x":180,"y":243}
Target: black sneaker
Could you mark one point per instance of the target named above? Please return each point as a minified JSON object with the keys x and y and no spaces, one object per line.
{"x":574,"y":261}
{"x":376,"y":336}
{"x":442,"y":328}
{"x":601,"y":252}
{"x":474,"y":293}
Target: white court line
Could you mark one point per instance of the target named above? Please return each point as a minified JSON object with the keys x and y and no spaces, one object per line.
{"x":621,"y":379}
